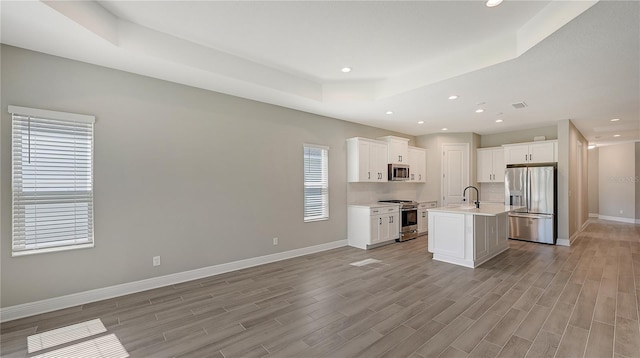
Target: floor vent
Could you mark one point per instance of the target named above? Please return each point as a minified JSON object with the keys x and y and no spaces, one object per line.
{"x":518,"y":105}
{"x":364,"y":262}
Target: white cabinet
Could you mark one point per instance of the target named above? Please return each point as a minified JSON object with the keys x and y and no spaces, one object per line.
{"x":534,"y":152}
{"x":366,"y":160}
{"x":372,"y":225}
{"x":423,"y":216}
{"x":417,"y":165}
{"x":397,"y":149}
{"x":490,"y":165}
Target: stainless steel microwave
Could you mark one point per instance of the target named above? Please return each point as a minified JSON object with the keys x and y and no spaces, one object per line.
{"x":398,"y":172}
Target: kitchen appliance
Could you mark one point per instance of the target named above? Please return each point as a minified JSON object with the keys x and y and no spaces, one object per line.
{"x":409,"y":213}
{"x":534,"y":187}
{"x":398,"y":172}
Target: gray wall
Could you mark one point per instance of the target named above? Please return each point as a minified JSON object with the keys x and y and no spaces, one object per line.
{"x":593,"y":182}
{"x":198,"y":177}
{"x":573,"y":200}
{"x":498,"y":139}
{"x":637,"y":180}
{"x":617,"y":188}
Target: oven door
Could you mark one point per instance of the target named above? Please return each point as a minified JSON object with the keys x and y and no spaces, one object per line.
{"x":409,"y":229}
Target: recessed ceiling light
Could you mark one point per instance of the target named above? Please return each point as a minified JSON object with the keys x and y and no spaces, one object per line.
{"x":346,"y":69}
{"x":591,"y":146}
{"x":479,"y":110}
{"x":498,"y":120}
{"x":614,"y":120}
{"x":445,"y":129}
{"x":388,"y":112}
{"x":421,"y":122}
{"x":453,"y":97}
{"x":492,"y":3}
{"x":616,"y":135}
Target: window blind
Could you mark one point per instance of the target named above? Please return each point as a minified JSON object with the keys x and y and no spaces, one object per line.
{"x":316,"y":182}
{"x":52,"y":180}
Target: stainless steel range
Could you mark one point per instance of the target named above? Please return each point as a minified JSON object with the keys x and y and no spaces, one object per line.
{"x":409,"y":210}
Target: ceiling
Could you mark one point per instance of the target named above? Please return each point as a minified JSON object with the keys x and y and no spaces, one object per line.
{"x":577,"y":60}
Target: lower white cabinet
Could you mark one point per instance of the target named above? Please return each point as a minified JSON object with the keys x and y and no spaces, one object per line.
{"x":372,"y":225}
{"x":423,"y":216}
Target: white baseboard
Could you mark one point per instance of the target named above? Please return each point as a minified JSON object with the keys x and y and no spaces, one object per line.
{"x":80,"y":298}
{"x":593,"y":215}
{"x":619,"y":219}
{"x":563,"y":242}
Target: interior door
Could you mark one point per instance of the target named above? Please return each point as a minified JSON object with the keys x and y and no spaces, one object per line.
{"x":455,"y":172}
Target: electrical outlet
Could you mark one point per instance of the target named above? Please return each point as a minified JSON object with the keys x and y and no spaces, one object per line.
{"x":621,"y":211}
{"x":275,"y":241}
{"x":156,"y":261}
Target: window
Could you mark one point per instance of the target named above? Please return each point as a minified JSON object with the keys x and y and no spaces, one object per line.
{"x":316,"y":182}
{"x":52,"y":180}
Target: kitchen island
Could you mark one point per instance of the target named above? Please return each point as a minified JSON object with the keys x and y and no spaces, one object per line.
{"x":468,"y":236}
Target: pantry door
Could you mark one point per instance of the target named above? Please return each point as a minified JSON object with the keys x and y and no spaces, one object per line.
{"x":455,"y":172}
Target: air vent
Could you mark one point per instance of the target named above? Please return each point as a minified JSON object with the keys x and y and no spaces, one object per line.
{"x":519,"y":105}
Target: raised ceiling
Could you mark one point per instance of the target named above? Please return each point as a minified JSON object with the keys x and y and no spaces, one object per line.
{"x":575,"y":60}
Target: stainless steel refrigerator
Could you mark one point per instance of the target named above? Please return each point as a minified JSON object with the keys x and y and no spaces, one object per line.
{"x":534,"y":187}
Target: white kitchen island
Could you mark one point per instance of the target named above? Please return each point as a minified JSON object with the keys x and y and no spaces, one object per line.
{"x":468,"y":236}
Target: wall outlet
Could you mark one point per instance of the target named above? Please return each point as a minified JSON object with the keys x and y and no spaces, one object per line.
{"x":156,"y":261}
{"x":275,"y":241}
{"x":621,"y":211}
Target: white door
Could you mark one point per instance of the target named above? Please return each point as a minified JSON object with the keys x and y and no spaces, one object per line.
{"x":455,"y":172}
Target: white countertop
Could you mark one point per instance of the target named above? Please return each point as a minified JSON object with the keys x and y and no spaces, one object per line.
{"x":376,"y":205}
{"x":486,"y":209}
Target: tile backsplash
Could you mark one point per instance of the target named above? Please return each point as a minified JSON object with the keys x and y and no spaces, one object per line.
{"x":492,"y":192}
{"x":367,"y":193}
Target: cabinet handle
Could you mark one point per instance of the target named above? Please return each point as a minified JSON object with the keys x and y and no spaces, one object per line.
{"x":400,"y":158}
{"x":525,"y":157}
{"x":380,"y":223}
{"x":368,"y":175}
{"x":529,"y":157}
{"x":390,"y":219}
{"x":419,"y":176}
{"x":424,"y":214}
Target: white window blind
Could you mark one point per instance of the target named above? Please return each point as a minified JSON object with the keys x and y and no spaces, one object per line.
{"x":316,"y":182}
{"x":52,"y":180}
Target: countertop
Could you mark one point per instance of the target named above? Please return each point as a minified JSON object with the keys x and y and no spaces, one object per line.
{"x":485,"y":209}
{"x":376,"y":205}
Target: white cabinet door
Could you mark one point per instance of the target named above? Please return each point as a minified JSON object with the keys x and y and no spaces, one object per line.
{"x":417,"y":165}
{"x":516,"y":154}
{"x":397,"y":149}
{"x":481,"y":248}
{"x":376,"y":224}
{"x":378,"y":162}
{"x":541,"y":152}
{"x":423,"y":220}
{"x":498,"y":165}
{"x":366,"y":160}
{"x":394,"y":225}
{"x":484,"y":158}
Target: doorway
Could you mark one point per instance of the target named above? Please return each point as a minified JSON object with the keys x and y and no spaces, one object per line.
{"x":455,"y":172}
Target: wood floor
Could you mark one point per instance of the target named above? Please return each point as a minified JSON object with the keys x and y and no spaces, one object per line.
{"x":532,"y":301}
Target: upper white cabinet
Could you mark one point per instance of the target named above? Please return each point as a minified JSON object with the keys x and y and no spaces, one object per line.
{"x":366,"y":160}
{"x":397,"y":149}
{"x":534,"y":152}
{"x":417,"y":165}
{"x":490,"y":165}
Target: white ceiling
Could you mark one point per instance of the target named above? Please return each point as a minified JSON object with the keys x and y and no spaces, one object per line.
{"x":577,"y":60}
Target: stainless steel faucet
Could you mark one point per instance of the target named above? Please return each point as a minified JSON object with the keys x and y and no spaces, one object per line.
{"x":464,"y":195}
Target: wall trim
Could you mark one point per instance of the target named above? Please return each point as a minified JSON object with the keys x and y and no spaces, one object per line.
{"x":593,"y":215}
{"x":563,"y":242}
{"x":616,"y":218}
{"x":75,"y":299}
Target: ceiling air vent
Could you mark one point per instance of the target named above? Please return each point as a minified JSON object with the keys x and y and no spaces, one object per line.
{"x":519,"y":105}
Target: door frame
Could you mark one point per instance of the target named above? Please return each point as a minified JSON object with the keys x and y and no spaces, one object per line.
{"x":466,"y":180}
